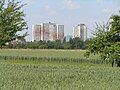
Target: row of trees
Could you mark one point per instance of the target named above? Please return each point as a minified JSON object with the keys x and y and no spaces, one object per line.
{"x":75,"y":43}
{"x":106,"y":41}
{"x":12,"y":20}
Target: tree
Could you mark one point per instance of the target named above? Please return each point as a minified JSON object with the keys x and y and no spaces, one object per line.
{"x":58,"y":44}
{"x":11,"y":20}
{"x":66,"y":45}
{"x":33,"y":45}
{"x":64,"y":40}
{"x":107,"y":40}
{"x":78,"y":43}
{"x":71,"y":41}
{"x":50,"y":44}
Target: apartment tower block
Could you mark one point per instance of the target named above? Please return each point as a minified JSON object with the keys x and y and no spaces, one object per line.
{"x":47,"y":32}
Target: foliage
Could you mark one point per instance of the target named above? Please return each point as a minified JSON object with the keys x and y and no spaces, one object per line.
{"x":11,"y":20}
{"x":107,"y":40}
{"x":75,"y":43}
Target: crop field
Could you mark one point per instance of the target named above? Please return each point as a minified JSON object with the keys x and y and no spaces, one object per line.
{"x":44,"y":53}
{"x":16,"y":74}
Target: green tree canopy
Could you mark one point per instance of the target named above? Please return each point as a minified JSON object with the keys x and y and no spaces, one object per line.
{"x":107,"y":40}
{"x":11,"y":20}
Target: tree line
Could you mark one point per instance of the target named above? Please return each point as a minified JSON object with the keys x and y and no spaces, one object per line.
{"x":105,"y":43}
{"x":73,"y":43}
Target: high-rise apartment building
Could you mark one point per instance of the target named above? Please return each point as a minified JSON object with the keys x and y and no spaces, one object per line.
{"x":60,"y":32}
{"x":80,"y":31}
{"x":48,"y":31}
{"x":52,"y":32}
{"x":36,"y":34}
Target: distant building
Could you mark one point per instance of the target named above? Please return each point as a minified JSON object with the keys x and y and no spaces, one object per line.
{"x":52,"y":31}
{"x":60,"y":32}
{"x":36,"y":34}
{"x":80,"y":31}
{"x":47,"y":31}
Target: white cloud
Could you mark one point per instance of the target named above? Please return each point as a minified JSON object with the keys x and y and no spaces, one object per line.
{"x":70,"y":4}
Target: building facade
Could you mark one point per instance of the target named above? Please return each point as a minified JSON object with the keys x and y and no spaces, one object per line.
{"x":80,"y":31}
{"x":52,"y":32}
{"x":47,"y":31}
{"x":60,"y":32}
{"x":36,"y":34}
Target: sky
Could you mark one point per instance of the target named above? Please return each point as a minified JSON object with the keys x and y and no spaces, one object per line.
{"x":69,"y":13}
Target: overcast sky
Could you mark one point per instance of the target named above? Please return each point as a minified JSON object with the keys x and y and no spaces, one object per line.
{"x":69,"y":12}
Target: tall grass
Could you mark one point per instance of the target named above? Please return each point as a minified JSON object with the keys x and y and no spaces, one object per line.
{"x":25,"y":75}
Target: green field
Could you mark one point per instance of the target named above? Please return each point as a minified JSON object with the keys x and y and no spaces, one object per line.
{"x":45,"y":53}
{"x":55,"y":75}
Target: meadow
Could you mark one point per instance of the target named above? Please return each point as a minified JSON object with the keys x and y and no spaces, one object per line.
{"x":42,"y":52}
{"x":52,"y":74}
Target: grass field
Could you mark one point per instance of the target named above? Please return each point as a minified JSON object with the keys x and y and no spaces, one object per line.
{"x":44,"y":75}
{"x":45,"y":53}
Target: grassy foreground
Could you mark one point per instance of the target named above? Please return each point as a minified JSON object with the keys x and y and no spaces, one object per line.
{"x":43,"y":75}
